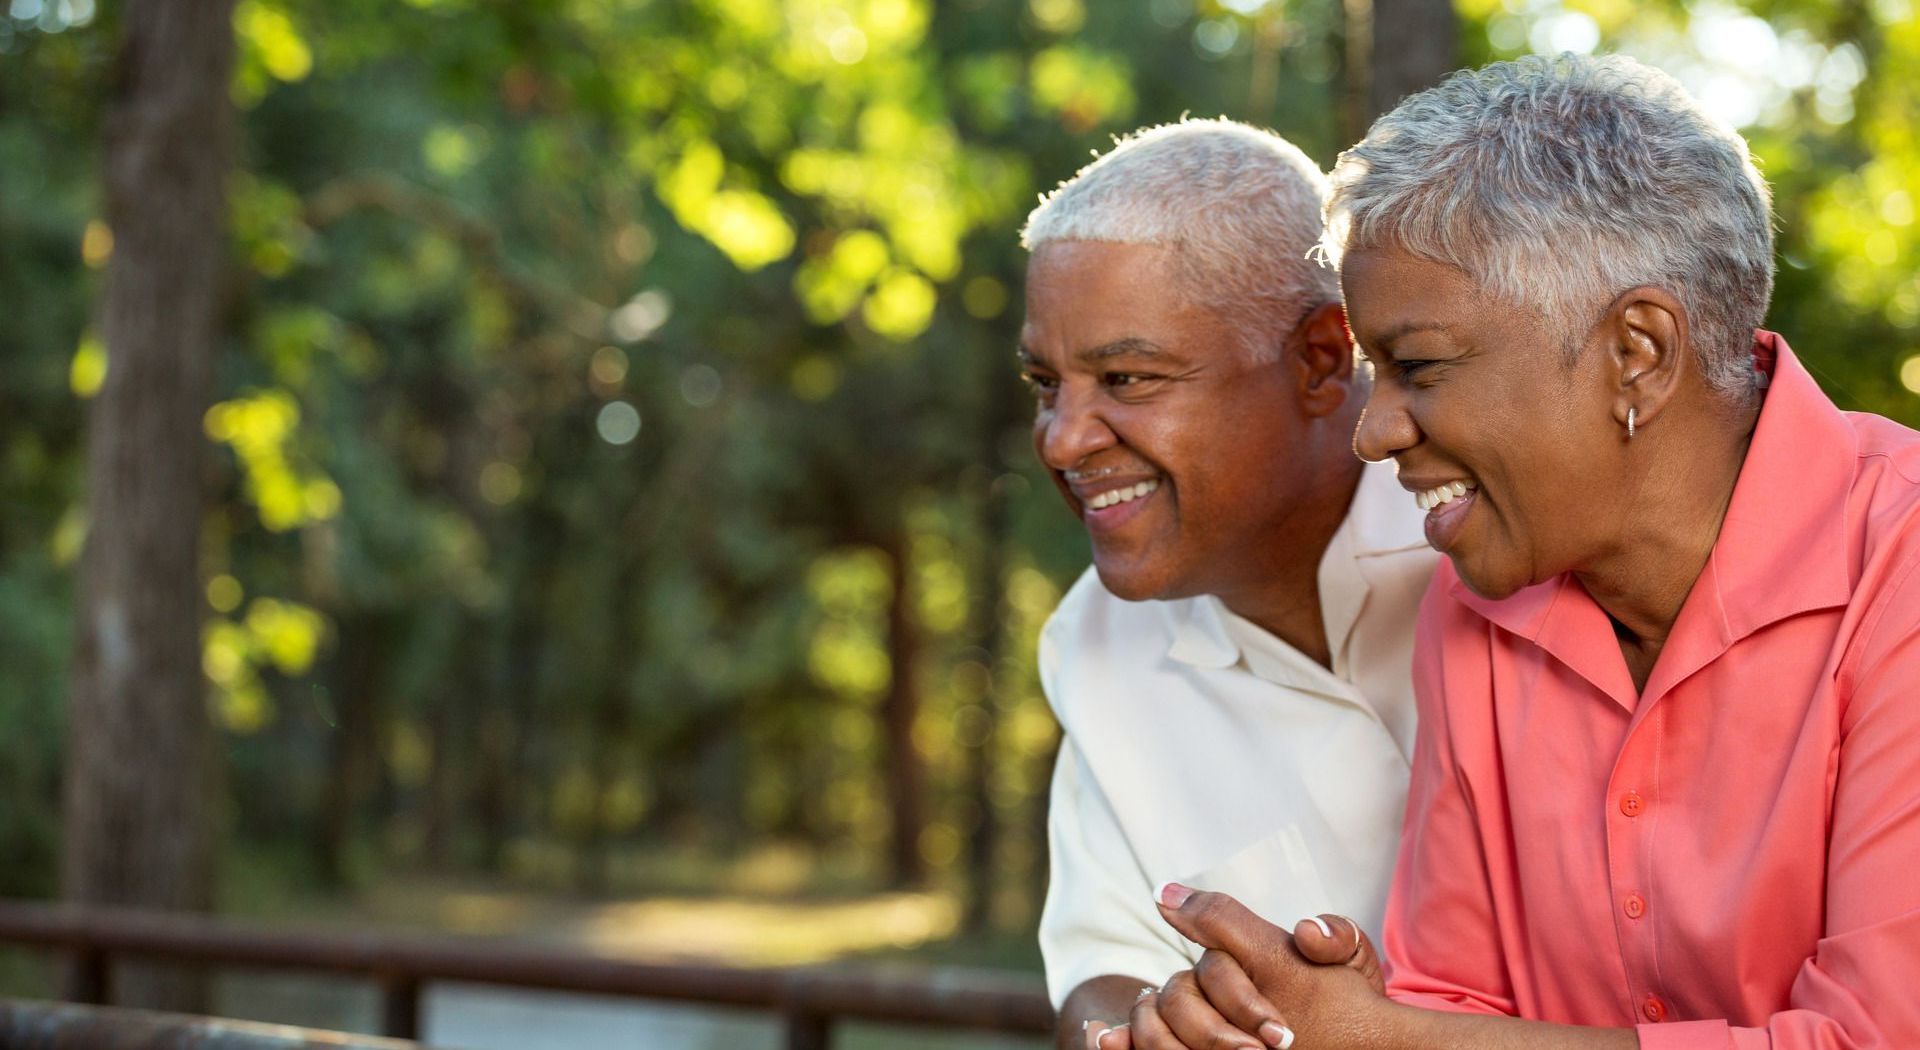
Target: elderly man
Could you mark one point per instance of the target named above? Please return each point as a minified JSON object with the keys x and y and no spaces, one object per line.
{"x":1232,"y":675}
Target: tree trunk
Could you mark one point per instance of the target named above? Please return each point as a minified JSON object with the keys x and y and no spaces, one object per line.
{"x":138,"y":793}
{"x":1005,"y":405}
{"x":905,"y":772}
{"x":354,"y":758}
{"x":1395,"y":48}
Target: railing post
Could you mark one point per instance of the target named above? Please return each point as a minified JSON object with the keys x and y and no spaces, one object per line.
{"x":89,"y":976}
{"x":400,"y":1006}
{"x":809,"y":1031}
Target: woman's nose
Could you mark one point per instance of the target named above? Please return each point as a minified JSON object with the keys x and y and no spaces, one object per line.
{"x":1385,"y":427}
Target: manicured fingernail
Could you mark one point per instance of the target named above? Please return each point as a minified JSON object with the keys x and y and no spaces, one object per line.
{"x":1325,"y":930}
{"x":1174,"y":895}
{"x":1277,"y":1035}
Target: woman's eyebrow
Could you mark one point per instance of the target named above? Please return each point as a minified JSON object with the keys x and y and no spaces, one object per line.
{"x":1407,"y":328}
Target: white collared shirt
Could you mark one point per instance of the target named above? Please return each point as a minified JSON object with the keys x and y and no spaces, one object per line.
{"x":1202,"y":749}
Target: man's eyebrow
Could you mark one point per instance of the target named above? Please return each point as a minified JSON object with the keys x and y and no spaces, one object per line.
{"x":1130,"y":346}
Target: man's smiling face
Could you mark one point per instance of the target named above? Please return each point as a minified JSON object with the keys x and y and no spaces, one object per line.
{"x":1169,"y":439}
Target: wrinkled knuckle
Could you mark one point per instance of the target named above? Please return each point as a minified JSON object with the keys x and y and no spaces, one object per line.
{"x":1180,"y":988}
{"x":1211,"y":965}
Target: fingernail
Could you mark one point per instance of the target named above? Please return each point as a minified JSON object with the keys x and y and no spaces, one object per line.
{"x":1174,"y":895}
{"x":1325,"y":930}
{"x":1277,"y":1035}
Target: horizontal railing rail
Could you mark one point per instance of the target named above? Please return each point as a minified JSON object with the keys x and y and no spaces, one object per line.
{"x":809,"y":999}
{"x":28,"y":1025}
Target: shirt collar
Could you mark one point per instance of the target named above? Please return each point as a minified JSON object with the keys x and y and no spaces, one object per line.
{"x":1200,"y":633}
{"x":1781,"y":551}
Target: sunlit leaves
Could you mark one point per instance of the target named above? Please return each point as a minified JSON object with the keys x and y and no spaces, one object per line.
{"x":280,"y":635}
{"x":271,"y":49}
{"x":831,"y":284}
{"x":748,"y":227}
{"x":848,"y":653}
{"x":260,"y":429}
{"x":1085,"y":88}
{"x":901,"y":305}
{"x":451,"y":150}
{"x":89,"y":368}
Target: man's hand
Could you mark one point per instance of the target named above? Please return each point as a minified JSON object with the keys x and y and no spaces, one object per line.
{"x":1097,"y":1005}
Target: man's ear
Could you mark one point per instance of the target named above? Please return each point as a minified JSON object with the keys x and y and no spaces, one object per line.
{"x":1322,"y":353}
{"x":1648,"y":352}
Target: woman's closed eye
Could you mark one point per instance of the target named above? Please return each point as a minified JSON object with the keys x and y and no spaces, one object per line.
{"x":1412,"y":368}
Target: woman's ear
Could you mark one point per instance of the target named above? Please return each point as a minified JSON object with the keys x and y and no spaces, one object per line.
{"x":1648,"y":352}
{"x":1322,"y":351}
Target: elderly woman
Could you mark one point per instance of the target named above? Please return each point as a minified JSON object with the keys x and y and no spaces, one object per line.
{"x":1668,"y":764}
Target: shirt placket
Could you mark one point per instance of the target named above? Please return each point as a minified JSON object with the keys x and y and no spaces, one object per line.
{"x":1630,"y":812}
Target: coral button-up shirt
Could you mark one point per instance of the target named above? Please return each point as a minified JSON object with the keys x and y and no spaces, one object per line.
{"x":1731,"y":857}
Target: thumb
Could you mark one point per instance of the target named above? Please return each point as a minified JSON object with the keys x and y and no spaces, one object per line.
{"x":1335,"y":940}
{"x":1219,"y":922}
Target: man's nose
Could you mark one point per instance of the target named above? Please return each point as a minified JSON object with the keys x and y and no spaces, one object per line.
{"x":1071,"y":429}
{"x":1385,"y":427}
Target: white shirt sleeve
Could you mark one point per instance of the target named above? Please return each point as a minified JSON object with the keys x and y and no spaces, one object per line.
{"x":1099,"y":917}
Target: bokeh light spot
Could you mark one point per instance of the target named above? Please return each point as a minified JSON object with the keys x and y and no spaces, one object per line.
{"x":618,"y":423}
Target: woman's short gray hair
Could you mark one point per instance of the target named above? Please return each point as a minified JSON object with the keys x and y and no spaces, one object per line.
{"x":1560,"y":182}
{"x":1241,"y":205}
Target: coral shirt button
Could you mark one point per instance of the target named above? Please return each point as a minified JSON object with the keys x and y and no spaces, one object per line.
{"x":1631,"y":803}
{"x":1636,"y":906}
{"x":1655,"y":1010}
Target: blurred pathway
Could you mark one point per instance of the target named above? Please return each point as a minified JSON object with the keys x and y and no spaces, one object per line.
{"x":728,"y":930}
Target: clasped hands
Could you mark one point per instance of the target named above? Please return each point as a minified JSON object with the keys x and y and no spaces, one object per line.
{"x":1256,"y":985}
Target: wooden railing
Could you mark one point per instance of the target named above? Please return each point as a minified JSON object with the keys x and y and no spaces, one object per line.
{"x":72,"y":1026}
{"x":810,"y":1000}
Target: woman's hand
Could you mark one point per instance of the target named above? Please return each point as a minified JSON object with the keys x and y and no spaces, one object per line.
{"x":1256,"y":984}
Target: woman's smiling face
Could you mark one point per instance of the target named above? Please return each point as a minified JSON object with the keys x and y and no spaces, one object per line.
{"x":1509,"y":447}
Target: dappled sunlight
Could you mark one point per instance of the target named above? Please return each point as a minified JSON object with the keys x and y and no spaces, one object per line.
{"x":742,"y":931}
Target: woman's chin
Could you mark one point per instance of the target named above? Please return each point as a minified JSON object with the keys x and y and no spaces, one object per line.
{"x":1491,"y":584}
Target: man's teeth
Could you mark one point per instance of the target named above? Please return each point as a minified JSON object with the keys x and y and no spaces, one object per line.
{"x":1447,"y":493}
{"x":1125,"y":495}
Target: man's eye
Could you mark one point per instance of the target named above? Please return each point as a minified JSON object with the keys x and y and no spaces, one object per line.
{"x":1126,"y":378}
{"x":1410,"y":368}
{"x":1039,"y":384}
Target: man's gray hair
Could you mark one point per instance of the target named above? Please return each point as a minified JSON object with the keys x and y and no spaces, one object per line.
{"x":1560,"y":182}
{"x":1241,"y":205}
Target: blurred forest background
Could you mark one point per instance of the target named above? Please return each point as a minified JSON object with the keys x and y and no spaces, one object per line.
{"x":616,"y":483}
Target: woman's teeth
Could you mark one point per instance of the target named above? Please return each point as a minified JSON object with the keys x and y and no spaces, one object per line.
{"x":1125,"y":495}
{"x":1447,"y":493}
